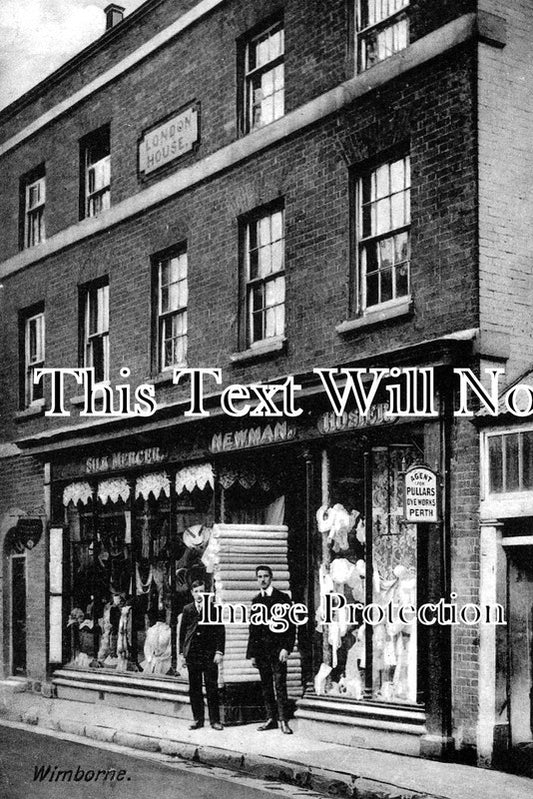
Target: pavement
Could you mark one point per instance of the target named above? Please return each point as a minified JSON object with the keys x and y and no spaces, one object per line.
{"x":324,"y":767}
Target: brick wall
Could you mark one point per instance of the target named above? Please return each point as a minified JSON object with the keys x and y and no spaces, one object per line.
{"x":505,"y":184}
{"x":21,"y":482}
{"x":432,"y":110}
{"x":465,"y":579}
{"x":199,"y":65}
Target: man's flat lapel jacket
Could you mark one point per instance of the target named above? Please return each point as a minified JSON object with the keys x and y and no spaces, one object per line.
{"x":200,"y":639}
{"x":262,"y":641}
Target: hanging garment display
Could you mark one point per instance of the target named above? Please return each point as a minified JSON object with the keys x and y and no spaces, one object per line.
{"x":105,"y":648}
{"x":157,"y":649}
{"x":124,"y":638}
{"x":342,"y":575}
{"x":143,"y":587}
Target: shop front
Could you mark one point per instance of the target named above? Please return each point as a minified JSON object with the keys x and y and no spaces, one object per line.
{"x":131,"y":530}
{"x":505,"y":732}
{"x":136,"y":517}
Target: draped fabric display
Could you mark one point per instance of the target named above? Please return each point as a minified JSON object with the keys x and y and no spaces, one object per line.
{"x":76,"y":493}
{"x":235,"y":551}
{"x":114,"y":489}
{"x":199,"y":475}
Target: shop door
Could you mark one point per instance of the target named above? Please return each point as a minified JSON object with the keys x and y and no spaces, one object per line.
{"x":521,"y":644}
{"x":18,"y":613}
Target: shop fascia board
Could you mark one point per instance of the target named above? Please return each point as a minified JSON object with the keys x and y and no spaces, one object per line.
{"x":417,"y":54}
{"x":170,"y":415}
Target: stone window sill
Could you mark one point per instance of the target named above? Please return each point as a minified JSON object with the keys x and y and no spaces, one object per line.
{"x":395,"y":310}
{"x":263,"y":349}
{"x":33,"y":410}
{"x":164,"y":378}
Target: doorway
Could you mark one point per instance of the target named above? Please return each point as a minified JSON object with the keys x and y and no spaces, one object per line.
{"x":18,"y":614}
{"x":520,"y":633}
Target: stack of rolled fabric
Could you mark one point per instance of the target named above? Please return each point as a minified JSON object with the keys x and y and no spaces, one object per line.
{"x":236,"y":550}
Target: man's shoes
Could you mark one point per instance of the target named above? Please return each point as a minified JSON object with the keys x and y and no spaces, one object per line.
{"x":217,"y":726}
{"x":285,"y":728}
{"x":270,"y":724}
{"x":197,"y":725}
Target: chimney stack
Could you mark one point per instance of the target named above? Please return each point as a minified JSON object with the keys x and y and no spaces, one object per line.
{"x":113,"y":15}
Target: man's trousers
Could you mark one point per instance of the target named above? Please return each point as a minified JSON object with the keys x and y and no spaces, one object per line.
{"x":273,"y":675}
{"x":197,"y":667}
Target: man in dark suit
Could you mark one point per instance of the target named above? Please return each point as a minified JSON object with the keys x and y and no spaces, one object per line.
{"x":202,"y":646}
{"x":269,"y":652}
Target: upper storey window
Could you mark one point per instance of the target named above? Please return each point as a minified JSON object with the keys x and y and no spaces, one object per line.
{"x":384,"y":217}
{"x":95,"y":173}
{"x":510,"y":462}
{"x":264,"y":276}
{"x":382,"y":30}
{"x":172,"y":293}
{"x":32,"y":330}
{"x":94,"y":328}
{"x":264,"y":77}
{"x":33,"y":198}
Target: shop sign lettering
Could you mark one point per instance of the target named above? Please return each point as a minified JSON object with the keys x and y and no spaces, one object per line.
{"x":124,"y":460}
{"x":162,"y":144}
{"x":421,"y":494}
{"x":330,"y":422}
{"x":252,"y":437}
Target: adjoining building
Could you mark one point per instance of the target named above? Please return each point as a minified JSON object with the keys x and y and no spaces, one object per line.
{"x":263,"y":188}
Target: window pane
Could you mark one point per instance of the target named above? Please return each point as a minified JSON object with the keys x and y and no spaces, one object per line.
{"x":386,"y":285}
{"x":395,"y":567}
{"x":279,"y":104}
{"x":267,"y":110}
{"x":103,"y":308}
{"x":262,"y":52}
{"x":386,"y":253}
{"x":397,"y":210}
{"x":276,"y":44}
{"x":264,"y":230}
{"x":277,"y":225}
{"x":253,"y":262}
{"x":279,"y":77}
{"x":383,"y":220}
{"x":264,"y":261}
{"x":267,"y":83}
{"x":277,"y":256}
{"x":527,"y":460}
{"x":511,"y":462}
{"x":275,"y":292}
{"x":382,"y":181}
{"x":401,"y":247}
{"x":402,"y":280}
{"x":97,"y":358}
{"x":495,"y":464}
{"x":397,"y":176}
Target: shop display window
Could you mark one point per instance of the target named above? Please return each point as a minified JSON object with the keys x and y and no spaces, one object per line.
{"x":132,"y":562}
{"x":368,"y":560}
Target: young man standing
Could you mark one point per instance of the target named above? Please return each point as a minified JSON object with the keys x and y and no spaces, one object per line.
{"x":202,"y":646}
{"x":269,"y":652}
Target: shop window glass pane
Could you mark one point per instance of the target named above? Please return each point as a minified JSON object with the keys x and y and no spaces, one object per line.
{"x":527,"y":460}
{"x":495,"y":464}
{"x":511,"y":463}
{"x":394,"y":548}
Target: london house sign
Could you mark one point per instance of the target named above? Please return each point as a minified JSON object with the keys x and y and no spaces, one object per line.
{"x":169,"y":139}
